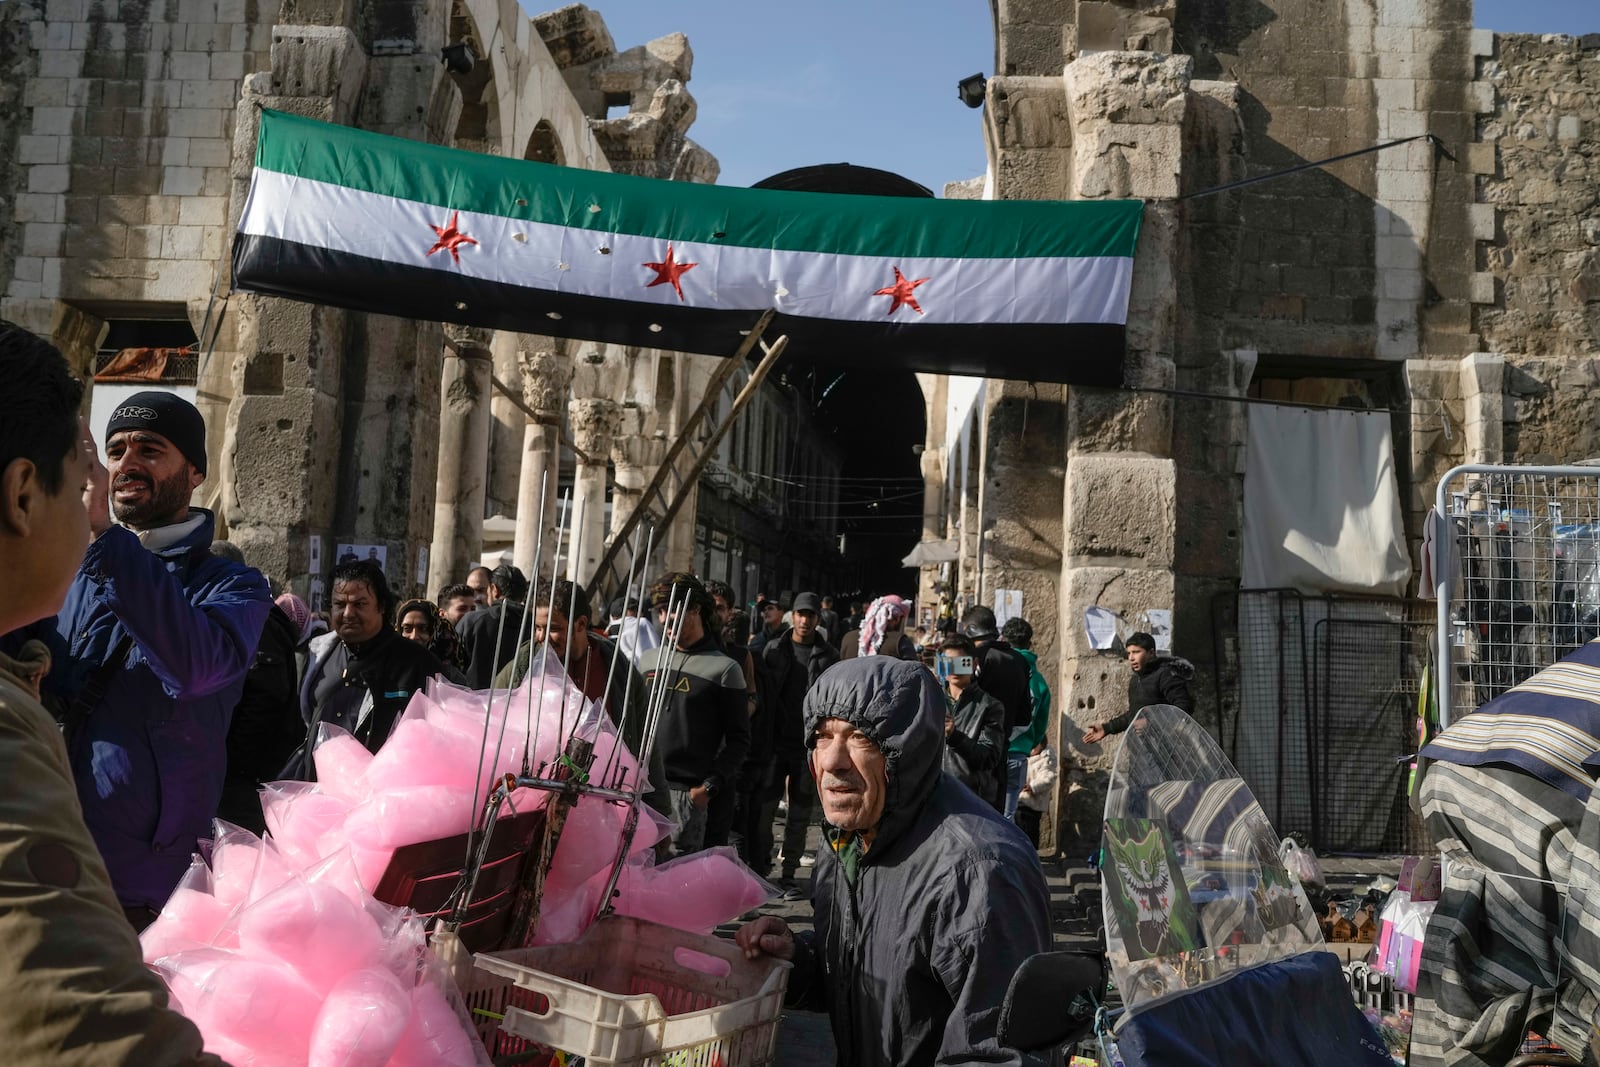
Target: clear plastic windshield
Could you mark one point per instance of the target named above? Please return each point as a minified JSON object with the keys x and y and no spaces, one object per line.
{"x":1193,"y":886}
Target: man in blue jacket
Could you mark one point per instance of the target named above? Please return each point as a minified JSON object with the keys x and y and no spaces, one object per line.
{"x":151,"y":652}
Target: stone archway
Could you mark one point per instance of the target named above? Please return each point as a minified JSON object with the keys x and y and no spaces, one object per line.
{"x":544,"y":146}
{"x":478,"y":127}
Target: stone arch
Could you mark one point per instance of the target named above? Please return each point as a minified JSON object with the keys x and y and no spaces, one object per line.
{"x":478,"y":128}
{"x":544,"y":146}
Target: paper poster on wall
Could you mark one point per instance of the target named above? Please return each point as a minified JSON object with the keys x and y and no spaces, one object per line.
{"x":422,"y":565}
{"x":1160,"y":621}
{"x":1007,"y":605}
{"x":316,"y":553}
{"x":378,"y":554}
{"x":1100,"y":626}
{"x":315,"y":595}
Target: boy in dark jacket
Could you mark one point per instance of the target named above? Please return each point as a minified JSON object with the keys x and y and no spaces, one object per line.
{"x":974,"y":727}
{"x":1156,"y":680}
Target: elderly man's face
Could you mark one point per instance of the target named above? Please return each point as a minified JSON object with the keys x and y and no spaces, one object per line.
{"x":849,"y":769}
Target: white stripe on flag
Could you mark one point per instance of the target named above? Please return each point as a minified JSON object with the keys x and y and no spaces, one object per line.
{"x":816,"y":285}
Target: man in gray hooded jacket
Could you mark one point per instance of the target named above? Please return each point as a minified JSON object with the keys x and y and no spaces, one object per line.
{"x":927,"y":899}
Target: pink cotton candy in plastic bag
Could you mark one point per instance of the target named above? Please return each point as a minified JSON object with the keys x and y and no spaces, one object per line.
{"x":258,"y":1006}
{"x":588,"y":841}
{"x":406,"y":816}
{"x":696,"y":893}
{"x":419,"y":753}
{"x":191,"y":917}
{"x":435,"y":1037}
{"x":569,"y":910}
{"x":342,"y":764}
{"x":315,"y":928}
{"x":306,"y":823}
{"x":361,"y":1022}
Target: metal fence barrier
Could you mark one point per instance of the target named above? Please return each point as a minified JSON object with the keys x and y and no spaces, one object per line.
{"x":1517,"y":574}
{"x":1318,"y":710}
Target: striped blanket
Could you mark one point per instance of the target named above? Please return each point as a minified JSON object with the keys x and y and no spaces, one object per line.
{"x":1498,"y":959}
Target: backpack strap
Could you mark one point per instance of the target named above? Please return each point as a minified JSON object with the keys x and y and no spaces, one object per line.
{"x":94,"y":689}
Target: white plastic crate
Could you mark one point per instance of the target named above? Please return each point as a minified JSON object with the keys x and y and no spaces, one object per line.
{"x":631,"y":993}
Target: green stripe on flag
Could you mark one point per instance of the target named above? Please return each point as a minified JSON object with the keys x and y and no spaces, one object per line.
{"x":835,"y":223}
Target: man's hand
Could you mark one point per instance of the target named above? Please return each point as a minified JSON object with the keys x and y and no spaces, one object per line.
{"x":766,"y":936}
{"x":700,"y":797}
{"x":96,"y":492}
{"x":949,"y":726}
{"x":1037,"y":749}
{"x":1094,"y":734}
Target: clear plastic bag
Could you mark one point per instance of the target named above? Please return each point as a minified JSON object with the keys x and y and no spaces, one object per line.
{"x":1301,"y":862}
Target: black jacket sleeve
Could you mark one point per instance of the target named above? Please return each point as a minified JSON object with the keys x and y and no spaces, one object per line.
{"x":735,"y":719}
{"x":1175,"y":690}
{"x":984,"y":750}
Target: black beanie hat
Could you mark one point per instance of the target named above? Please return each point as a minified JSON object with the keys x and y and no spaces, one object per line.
{"x":167,"y":414}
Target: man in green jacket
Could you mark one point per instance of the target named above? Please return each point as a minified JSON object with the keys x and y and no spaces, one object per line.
{"x":1018,"y":633}
{"x":73,"y":989}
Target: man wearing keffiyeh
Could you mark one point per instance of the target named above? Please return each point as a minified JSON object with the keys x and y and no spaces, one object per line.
{"x":927,"y":900}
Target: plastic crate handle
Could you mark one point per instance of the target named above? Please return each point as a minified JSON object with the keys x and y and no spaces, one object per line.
{"x":701,"y":963}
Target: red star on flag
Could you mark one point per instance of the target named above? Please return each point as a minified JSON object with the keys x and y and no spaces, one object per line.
{"x":668,"y":272}
{"x":901,"y":291}
{"x":450,"y":238}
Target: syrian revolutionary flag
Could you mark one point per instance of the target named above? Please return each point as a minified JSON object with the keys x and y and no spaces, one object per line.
{"x":1018,"y":289}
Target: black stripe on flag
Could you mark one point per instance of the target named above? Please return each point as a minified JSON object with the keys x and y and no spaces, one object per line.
{"x":1073,"y":353}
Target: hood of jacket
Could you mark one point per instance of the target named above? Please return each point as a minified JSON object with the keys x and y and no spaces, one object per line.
{"x":898,"y":704}
{"x":1179,"y":666}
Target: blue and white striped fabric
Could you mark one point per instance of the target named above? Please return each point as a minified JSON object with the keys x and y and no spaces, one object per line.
{"x":1549,"y":726}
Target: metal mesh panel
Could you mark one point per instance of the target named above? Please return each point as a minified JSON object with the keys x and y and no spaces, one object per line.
{"x":1523,"y":575}
{"x":1320,"y":696}
{"x":1364,"y":731}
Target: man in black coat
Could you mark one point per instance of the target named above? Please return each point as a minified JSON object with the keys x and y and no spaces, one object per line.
{"x":361,"y":676}
{"x":1003,"y":674}
{"x":793,"y":661}
{"x":487,"y":645}
{"x":1156,"y":680}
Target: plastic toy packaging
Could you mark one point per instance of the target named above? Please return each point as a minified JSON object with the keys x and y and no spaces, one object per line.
{"x":1401,"y":929}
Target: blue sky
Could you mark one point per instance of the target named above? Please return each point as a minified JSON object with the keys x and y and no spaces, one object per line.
{"x":873,"y":82}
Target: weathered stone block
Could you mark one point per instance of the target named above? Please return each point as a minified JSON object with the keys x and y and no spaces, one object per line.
{"x":1128,"y":87}
{"x":1120,"y":506}
{"x":1479,"y":158}
{"x":313,"y":60}
{"x":575,"y":35}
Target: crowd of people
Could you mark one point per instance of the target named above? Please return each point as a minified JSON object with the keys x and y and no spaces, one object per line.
{"x":150,"y":681}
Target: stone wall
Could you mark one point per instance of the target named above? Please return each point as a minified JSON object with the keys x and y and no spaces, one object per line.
{"x":1543,"y":198}
{"x":127,"y":131}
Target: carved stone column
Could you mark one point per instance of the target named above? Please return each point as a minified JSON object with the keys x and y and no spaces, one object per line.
{"x":595,"y":422}
{"x":463,"y":456}
{"x":635,"y":454}
{"x":546,"y":374}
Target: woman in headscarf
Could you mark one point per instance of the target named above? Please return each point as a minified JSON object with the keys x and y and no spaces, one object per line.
{"x":882,"y":632}
{"x":420,"y":621}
